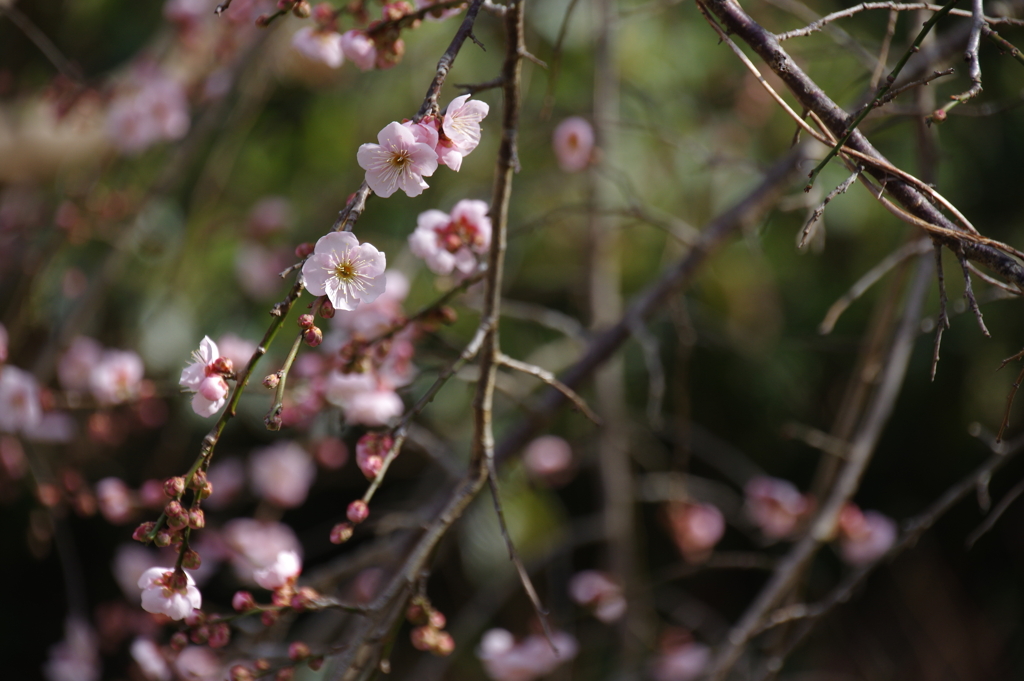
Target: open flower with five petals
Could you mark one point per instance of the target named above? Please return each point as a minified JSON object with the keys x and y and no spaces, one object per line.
{"x":169,"y":592}
{"x":347,"y":272}
{"x":205,"y":377}
{"x":398,"y":161}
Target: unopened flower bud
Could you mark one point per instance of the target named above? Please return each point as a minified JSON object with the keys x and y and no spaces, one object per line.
{"x":223,"y":366}
{"x":313,"y":336}
{"x":262,"y":664}
{"x":303,"y":250}
{"x":302,"y":9}
{"x":240,"y":673}
{"x":192,"y":561}
{"x":143,"y":532}
{"x":444,"y":645}
{"x":200,"y":635}
{"x":423,"y":638}
{"x":163,"y":538}
{"x":174,"y":487}
{"x":298,"y":651}
{"x":285,"y":674}
{"x":177,"y":516}
{"x":205,"y":491}
{"x":220,"y":635}
{"x":939,"y":116}
{"x":271,"y":381}
{"x":341,"y":533}
{"x":198,"y":480}
{"x":178,"y":641}
{"x":306,"y":320}
{"x":243,"y":601}
{"x":446,"y":314}
{"x":437,"y":619}
{"x":196,"y":518}
{"x":268,"y":617}
{"x":323,"y":14}
{"x":416,"y":614}
{"x":358,"y":511}
{"x":327,"y":309}
{"x":263,"y":21}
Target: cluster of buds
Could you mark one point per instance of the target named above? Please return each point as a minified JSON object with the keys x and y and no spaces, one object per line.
{"x":311,"y":333}
{"x":261,"y":668}
{"x":428,"y":633}
{"x":201,"y":630}
{"x":371,"y":449}
{"x":177,"y":518}
{"x":358,"y":511}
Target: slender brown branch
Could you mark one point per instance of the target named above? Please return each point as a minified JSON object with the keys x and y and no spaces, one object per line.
{"x":444,"y":64}
{"x":549,"y":378}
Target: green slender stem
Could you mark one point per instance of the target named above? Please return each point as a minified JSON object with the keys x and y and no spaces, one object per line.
{"x":1004,"y":44}
{"x":882,"y":90}
{"x":273,"y":418}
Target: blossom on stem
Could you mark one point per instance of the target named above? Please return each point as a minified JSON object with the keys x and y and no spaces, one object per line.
{"x":774,"y":505}
{"x":347,"y":272}
{"x":170,"y":593}
{"x":449,"y":242}
{"x":359,"y":48}
{"x":398,"y":161}
{"x":864,"y":536}
{"x":203,"y":378}
{"x":574,"y":143}
{"x":696,"y":528}
{"x":462,"y":122}
{"x":319,"y":45}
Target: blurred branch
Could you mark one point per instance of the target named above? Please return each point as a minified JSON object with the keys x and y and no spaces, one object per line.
{"x":43,"y":42}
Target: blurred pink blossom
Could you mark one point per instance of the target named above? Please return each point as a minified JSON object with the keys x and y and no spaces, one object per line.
{"x":319,"y":45}
{"x":574,"y":144}
{"x":366,"y":584}
{"x":864,"y":536}
{"x":348,"y":272}
{"x":255,"y":544}
{"x":77,"y":362}
{"x":237,"y":349}
{"x":156,"y":111}
{"x":55,"y":427}
{"x":775,"y":506}
{"x":548,"y":458}
{"x":282,"y":473}
{"x":359,"y":48}
{"x":201,"y":377}
{"x":531,"y":658}
{"x":77,"y":657}
{"x":115,"y":500}
{"x":371,"y":449}
{"x":228,"y":479}
{"x":331,"y":453}
{"x":20,"y":407}
{"x":269,"y":215}
{"x":686,"y":661}
{"x":257,"y":269}
{"x":369,"y":320}
{"x":396,"y":162}
{"x":696,"y":528}
{"x":597,"y":591}
{"x":363,"y":400}
{"x":449,"y":242}
{"x":161,"y":593}
{"x":117,"y":377}
{"x":130,"y":562}
{"x":150,"y":659}
{"x":286,"y":568}
{"x":198,"y":663}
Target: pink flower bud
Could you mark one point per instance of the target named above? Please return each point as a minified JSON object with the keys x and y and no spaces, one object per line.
{"x":200,"y":635}
{"x":313,"y":336}
{"x":263,"y":21}
{"x":417,"y":614}
{"x":444,"y":645}
{"x":177,"y":516}
{"x":306,"y":321}
{"x":196,"y":518}
{"x":341,"y":533}
{"x":223,"y":365}
{"x":302,"y":9}
{"x":198,"y":480}
{"x":268,"y":617}
{"x":327,"y":310}
{"x":261,"y":664}
{"x":304,"y":250}
{"x":220,"y":635}
{"x":423,"y":638}
{"x":243,"y":601}
{"x":437,"y":619}
{"x":240,"y":673}
{"x":205,"y":491}
{"x":163,"y":538}
{"x":298,"y":651}
{"x":358,"y":511}
{"x":191,"y":561}
{"x":178,"y":641}
{"x":285,"y":674}
{"x":143,"y":532}
{"x":174,"y":487}
{"x":323,"y":14}
{"x":271,"y":381}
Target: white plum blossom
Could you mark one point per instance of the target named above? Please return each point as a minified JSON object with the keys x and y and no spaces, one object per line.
{"x":202,"y":378}
{"x":348,"y":272}
{"x":20,"y":407}
{"x":117,"y":377}
{"x":285,"y":569}
{"x":359,"y":48}
{"x":450,"y":242}
{"x":398,"y":161}
{"x":198,"y":663}
{"x":255,"y":545}
{"x":282,"y":473}
{"x":574,"y":143}
{"x":324,"y":46}
{"x":151,"y":661}
{"x":163,"y":593}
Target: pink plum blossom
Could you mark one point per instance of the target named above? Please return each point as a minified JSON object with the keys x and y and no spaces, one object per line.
{"x":696,"y":528}
{"x":372,"y":319}
{"x":256,"y":544}
{"x":681,"y":660}
{"x":77,"y":362}
{"x":237,"y":349}
{"x":115,"y":500}
{"x":198,"y":663}
{"x":531,"y":658}
{"x":548,"y":458}
{"x":371,"y":449}
{"x":269,"y":215}
{"x":20,"y":407}
{"x":202,"y":378}
{"x":55,"y":427}
{"x":286,"y":568}
{"x":574,"y":143}
{"x":319,"y":45}
{"x":360,"y":49}
{"x":449,"y":242}
{"x":117,"y":377}
{"x":864,"y":536}
{"x":169,"y":593}
{"x":228,"y":479}
{"x":364,"y":400}
{"x":438,"y":14}
{"x":396,"y":162}
{"x":282,"y":473}
{"x":77,"y":657}
{"x":775,"y":506}
{"x":462,"y":123}
{"x":156,"y":111}
{"x":348,"y":272}
{"x":596,"y":590}
{"x":257,"y":267}
{"x":150,"y":659}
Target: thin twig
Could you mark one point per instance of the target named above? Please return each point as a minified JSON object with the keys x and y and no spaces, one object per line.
{"x":869,"y":279}
{"x":969,"y":295}
{"x":549,"y":378}
{"x":655,"y":371}
{"x":893,"y":94}
{"x":273,"y":417}
{"x":992,"y":518}
{"x":820,"y":210}
{"x":444,"y":64}
{"x":943,"y":321}
{"x":1003,"y":44}
{"x":883,"y":53}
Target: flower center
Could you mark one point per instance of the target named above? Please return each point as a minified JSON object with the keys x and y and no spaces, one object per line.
{"x":400,"y":159}
{"x":345,"y":271}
